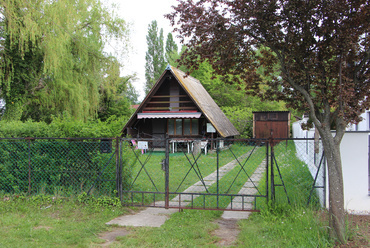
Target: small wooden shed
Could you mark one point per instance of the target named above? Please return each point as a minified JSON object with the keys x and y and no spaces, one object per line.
{"x":275,"y":124}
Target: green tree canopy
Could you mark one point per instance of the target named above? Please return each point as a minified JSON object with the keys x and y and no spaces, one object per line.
{"x":321,"y":49}
{"x":171,"y":50}
{"x":154,"y":57}
{"x":52,"y":57}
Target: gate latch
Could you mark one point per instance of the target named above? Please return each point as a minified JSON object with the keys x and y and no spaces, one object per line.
{"x":163,"y":163}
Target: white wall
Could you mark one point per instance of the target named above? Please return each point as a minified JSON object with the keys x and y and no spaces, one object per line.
{"x":355,"y":162}
{"x":364,"y":125}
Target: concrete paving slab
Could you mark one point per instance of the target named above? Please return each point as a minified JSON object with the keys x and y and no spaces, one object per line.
{"x":206,"y":182}
{"x":238,"y":215}
{"x":195,"y":189}
{"x":241,"y":206}
{"x":248,"y":191}
{"x":240,"y":199}
{"x":250,"y":184}
{"x":211,"y":177}
{"x":150,"y":217}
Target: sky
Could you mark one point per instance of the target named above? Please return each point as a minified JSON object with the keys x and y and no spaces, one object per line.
{"x":140,"y":13}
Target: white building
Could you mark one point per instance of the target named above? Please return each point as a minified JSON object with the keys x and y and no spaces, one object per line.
{"x":355,"y":152}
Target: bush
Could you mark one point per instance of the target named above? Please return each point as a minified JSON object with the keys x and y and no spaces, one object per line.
{"x":62,"y":128}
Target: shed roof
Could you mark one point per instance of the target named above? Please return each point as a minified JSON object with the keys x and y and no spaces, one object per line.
{"x":201,"y":98}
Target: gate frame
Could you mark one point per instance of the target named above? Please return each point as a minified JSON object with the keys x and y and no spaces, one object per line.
{"x":167,"y":192}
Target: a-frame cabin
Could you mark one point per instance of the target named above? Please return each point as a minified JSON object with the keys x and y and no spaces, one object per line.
{"x":178,"y":106}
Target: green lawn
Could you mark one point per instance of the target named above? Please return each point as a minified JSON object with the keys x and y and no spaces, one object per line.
{"x":40,"y":221}
{"x":46,"y":221}
{"x":69,"y":222}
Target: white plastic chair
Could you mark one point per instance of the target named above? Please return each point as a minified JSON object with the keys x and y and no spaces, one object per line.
{"x":203,"y":145}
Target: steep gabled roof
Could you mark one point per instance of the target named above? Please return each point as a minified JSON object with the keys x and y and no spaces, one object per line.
{"x":201,"y":98}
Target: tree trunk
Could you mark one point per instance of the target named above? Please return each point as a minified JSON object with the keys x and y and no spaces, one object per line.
{"x":335,"y":176}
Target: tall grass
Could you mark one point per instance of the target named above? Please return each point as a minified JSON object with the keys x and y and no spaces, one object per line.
{"x":284,"y":226}
{"x":294,"y":176}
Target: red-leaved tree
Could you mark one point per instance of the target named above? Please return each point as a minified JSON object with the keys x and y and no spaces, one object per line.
{"x":319,"y":49}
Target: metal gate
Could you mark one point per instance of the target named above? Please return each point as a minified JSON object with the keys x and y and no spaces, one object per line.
{"x":197,"y":174}
{"x":221,"y":174}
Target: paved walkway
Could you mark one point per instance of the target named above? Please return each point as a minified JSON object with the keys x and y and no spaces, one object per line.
{"x":208,"y":181}
{"x":155,"y":217}
{"x":249,"y":188}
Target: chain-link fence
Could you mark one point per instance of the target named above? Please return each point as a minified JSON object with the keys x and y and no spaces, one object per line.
{"x":58,"y":166}
{"x":298,"y":172}
{"x":192,"y":173}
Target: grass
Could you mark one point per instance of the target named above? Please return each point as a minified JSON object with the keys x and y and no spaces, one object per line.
{"x":44,"y":221}
{"x":190,"y":228}
{"x":193,"y":228}
{"x":147,"y":174}
{"x":296,"y":177}
{"x":284,"y":226}
{"x":277,"y":225}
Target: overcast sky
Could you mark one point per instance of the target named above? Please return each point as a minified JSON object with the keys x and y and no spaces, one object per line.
{"x":140,"y":13}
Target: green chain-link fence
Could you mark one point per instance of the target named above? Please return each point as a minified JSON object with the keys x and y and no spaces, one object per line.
{"x":54,"y":166}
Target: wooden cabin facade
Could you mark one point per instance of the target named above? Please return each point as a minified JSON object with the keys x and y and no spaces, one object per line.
{"x":178,"y":106}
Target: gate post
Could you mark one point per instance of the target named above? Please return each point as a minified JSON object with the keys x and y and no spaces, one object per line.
{"x":267,"y":174}
{"x":167,"y":161}
{"x":272,"y":171}
{"x":218,"y":172}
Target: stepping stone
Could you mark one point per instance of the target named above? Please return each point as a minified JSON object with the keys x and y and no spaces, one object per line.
{"x":239,"y":215}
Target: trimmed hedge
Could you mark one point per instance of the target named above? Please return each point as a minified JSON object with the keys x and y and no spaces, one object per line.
{"x":63,"y":128}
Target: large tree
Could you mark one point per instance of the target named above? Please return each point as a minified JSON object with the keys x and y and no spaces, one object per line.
{"x":171,"y":53}
{"x":322,"y":49}
{"x":52,"y":57}
{"x":154,"y":57}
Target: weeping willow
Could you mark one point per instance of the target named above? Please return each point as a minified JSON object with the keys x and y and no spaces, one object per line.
{"x":52,"y":57}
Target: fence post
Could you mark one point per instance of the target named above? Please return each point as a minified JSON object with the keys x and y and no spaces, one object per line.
{"x":272,"y":172}
{"x":29,"y":166}
{"x":167,"y":173}
{"x":267,"y":173}
{"x":218,"y":171}
{"x":118,"y":171}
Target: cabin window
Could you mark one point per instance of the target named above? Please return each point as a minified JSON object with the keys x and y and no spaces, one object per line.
{"x":178,"y":126}
{"x":171,"y":127}
{"x":194,"y":127}
{"x":183,"y":127}
{"x":187,"y":126}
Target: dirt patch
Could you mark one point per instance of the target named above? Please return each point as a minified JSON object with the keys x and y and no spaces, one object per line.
{"x":227,"y":232}
{"x":111,"y":236}
{"x":360,"y":226}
